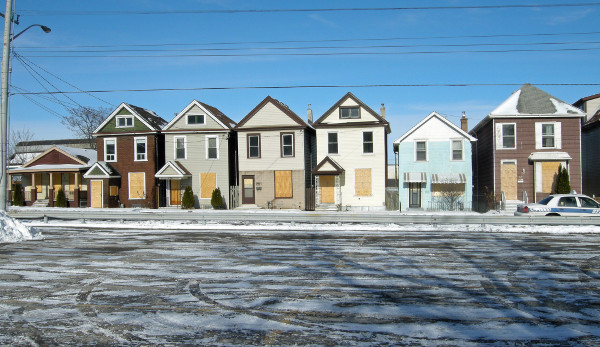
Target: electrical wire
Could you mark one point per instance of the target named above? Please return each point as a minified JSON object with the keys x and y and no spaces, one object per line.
{"x":298,"y":10}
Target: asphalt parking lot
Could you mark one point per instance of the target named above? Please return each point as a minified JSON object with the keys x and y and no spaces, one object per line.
{"x":236,"y":287}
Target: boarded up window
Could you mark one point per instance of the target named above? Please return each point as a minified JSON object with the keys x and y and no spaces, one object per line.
{"x":549,"y":172}
{"x":283,"y":184}
{"x":208,"y":183}
{"x":508,"y":180}
{"x":114,"y":190}
{"x":362,"y":182}
{"x":137,"y":185}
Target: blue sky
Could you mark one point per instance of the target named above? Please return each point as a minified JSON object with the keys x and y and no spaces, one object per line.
{"x":556,"y":45}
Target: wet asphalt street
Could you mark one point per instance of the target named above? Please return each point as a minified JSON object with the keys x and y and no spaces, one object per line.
{"x":207,"y":287}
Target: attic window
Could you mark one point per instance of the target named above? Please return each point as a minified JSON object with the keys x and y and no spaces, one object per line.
{"x":195,"y":119}
{"x":352,"y":112}
{"x":124,"y":121}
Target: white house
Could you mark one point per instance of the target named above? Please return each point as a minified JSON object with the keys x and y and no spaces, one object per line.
{"x":352,"y":156}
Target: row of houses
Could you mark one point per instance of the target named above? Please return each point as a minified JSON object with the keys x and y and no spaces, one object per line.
{"x":273,"y":158}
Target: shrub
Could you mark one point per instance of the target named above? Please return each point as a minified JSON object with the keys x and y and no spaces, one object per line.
{"x":217,"y":200}
{"x":187,"y":202}
{"x":562,"y":185}
{"x":61,"y":199}
{"x":18,"y":199}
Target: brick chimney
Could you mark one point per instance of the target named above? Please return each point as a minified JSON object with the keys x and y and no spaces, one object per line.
{"x":309,"y":114}
{"x":464,"y":123}
{"x":382,"y":111}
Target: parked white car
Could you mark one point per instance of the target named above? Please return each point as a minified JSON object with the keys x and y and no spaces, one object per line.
{"x":561,"y":205}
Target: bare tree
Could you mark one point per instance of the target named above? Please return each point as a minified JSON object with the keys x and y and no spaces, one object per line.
{"x":450,"y":195}
{"x":18,"y":156}
{"x":83,"y":120}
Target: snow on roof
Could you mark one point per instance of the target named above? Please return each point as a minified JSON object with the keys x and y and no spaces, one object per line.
{"x":529,"y":100}
{"x":87,"y":155}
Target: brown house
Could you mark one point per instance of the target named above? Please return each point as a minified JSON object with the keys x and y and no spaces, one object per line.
{"x":130,"y":151}
{"x":522,"y":144}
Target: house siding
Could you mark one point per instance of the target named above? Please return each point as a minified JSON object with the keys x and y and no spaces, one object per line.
{"x":590,"y":139}
{"x":196,"y":162}
{"x":483,"y":164}
{"x":350,"y":157}
{"x":126,"y":164}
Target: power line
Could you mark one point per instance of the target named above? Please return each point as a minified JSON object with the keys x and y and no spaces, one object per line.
{"x":321,"y":47}
{"x":298,"y":10}
{"x":312,"y":87}
{"x":420,"y":38}
{"x":315,"y":53}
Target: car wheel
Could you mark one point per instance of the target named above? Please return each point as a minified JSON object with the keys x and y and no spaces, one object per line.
{"x":552,"y":215}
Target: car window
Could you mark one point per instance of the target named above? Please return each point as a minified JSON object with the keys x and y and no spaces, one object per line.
{"x":588,"y":202}
{"x":545,"y":200}
{"x":567,"y":201}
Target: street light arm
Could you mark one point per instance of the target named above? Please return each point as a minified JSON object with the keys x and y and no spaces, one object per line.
{"x":44,"y":28}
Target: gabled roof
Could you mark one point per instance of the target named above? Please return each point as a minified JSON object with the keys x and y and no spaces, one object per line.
{"x":426,"y":120}
{"x":529,"y":101}
{"x":593,"y":122}
{"x":173,"y":169}
{"x":147,"y":117}
{"x":328,"y":166}
{"x":83,"y":157}
{"x":101,"y":169}
{"x":211,"y":111}
{"x":280,"y":105}
{"x":587,"y":98}
{"x":349,"y":95}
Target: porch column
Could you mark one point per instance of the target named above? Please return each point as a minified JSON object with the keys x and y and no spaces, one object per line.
{"x":76,"y":190}
{"x":51,"y":191}
{"x":33,"y":189}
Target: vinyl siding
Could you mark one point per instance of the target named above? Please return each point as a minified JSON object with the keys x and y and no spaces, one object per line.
{"x":267,"y":115}
{"x":197,"y":163}
{"x":270,"y":151}
{"x":209,"y":122}
{"x":334,"y":116}
{"x":350,"y":157}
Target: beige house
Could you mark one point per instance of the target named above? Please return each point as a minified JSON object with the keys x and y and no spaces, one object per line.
{"x":276,"y":155}
{"x":199,"y":152}
{"x":352,"y":156}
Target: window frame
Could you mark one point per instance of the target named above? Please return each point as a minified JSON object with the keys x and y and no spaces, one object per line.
{"x":337,"y":142}
{"x":125,"y":117}
{"x":135,"y":149}
{"x":143,"y":174}
{"x":207,"y":145}
{"x":462,"y":149}
{"x":349,"y":112}
{"x":417,"y":151}
{"x":282,"y":145}
{"x":106,"y":140}
{"x":187,"y":119}
{"x":553,"y":136}
{"x":502,"y":136}
{"x":372,"y":142}
{"x":175,"y":138}
{"x":248,"y":136}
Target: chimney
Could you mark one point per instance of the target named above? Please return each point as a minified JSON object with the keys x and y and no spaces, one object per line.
{"x":382,"y":110}
{"x":464,"y":123}
{"x":309,"y":115}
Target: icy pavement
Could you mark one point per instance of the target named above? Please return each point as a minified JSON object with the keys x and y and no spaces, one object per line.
{"x":353,"y":286}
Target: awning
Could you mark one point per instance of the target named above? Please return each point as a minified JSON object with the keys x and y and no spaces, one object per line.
{"x":549,"y":156}
{"x":449,"y":178}
{"x":415,"y":177}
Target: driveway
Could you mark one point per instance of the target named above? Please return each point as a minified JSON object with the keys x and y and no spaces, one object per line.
{"x":352,"y":287}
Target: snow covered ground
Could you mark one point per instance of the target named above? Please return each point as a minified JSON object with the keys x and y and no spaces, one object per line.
{"x":281,"y":284}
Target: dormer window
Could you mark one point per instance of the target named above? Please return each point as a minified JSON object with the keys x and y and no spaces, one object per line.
{"x":193,"y":119}
{"x":352,"y":112}
{"x":124,"y":121}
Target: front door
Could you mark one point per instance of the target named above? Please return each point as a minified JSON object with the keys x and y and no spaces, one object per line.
{"x":508,"y":180}
{"x":414,"y":195}
{"x":96,"y":194}
{"x":248,"y":190}
{"x":327,"y":189}
{"x":175,"y":192}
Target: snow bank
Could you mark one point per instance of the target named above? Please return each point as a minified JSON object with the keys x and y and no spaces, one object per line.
{"x":12,"y":230}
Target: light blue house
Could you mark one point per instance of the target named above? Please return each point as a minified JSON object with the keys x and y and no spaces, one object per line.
{"x":434,"y":165}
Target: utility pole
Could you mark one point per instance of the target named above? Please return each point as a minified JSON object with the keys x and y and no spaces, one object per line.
{"x":4,"y":106}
